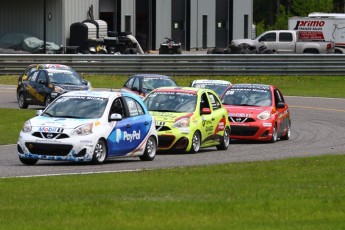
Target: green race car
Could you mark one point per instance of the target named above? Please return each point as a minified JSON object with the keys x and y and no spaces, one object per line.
{"x":188,"y":119}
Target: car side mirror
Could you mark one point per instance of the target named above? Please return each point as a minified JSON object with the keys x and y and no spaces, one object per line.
{"x":115,"y":117}
{"x":205,"y":111}
{"x":281,"y":105}
{"x":43,"y":82}
{"x":39,"y":112}
{"x":135,"y":88}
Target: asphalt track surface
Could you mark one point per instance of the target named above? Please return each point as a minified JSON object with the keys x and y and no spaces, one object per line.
{"x":318,"y":128}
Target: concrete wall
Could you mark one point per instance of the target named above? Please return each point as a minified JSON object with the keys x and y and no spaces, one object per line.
{"x":242,"y":7}
{"x":163,"y":22}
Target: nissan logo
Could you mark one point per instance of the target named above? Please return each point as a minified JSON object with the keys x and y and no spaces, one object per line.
{"x":50,"y":135}
{"x":238,"y":119}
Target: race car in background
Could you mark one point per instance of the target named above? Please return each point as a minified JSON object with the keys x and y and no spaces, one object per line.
{"x":89,"y":126}
{"x":33,"y":67}
{"x":218,"y":86}
{"x":142,"y":84}
{"x":44,"y":85}
{"x":257,"y":112}
{"x":188,"y":119}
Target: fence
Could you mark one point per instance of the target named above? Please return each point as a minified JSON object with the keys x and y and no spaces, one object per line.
{"x":197,"y":64}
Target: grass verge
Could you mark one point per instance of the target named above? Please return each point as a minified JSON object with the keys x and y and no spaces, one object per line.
{"x":302,"y":193}
{"x":317,"y":86}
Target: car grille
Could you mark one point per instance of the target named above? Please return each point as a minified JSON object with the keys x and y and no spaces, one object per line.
{"x":165,"y":141}
{"x":243,"y":130}
{"x":50,"y":135}
{"x":48,"y":149}
{"x":241,"y":119}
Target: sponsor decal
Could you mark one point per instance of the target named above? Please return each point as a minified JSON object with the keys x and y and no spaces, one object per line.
{"x":267,"y":124}
{"x":124,"y":136}
{"x":309,"y":25}
{"x":50,"y":130}
{"x":97,"y":123}
{"x":34,"y":93}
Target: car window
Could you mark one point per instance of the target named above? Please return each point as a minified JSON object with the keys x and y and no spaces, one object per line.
{"x":66,"y":77}
{"x":30,"y":70}
{"x":278,"y":97}
{"x":117,"y":107}
{"x":129,"y":83}
{"x":134,"y":107}
{"x":285,"y":37}
{"x":204,"y":102}
{"x":33,"y":76}
{"x":214,"y":101}
{"x":136,"y":83}
{"x":41,"y":77}
{"x":269,"y":37}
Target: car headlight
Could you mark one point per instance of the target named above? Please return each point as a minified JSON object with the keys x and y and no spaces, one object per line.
{"x":59,"y":89}
{"x":27,"y":127}
{"x":85,"y":129}
{"x":182,"y":123}
{"x":264,"y":116}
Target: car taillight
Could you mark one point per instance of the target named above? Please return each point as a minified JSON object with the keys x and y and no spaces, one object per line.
{"x":329,"y":46}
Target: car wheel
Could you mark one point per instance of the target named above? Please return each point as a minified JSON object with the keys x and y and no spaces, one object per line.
{"x":287,"y":134}
{"x":22,"y":101}
{"x":100,"y":152}
{"x":274,"y":134}
{"x":226,"y":140}
{"x":150,"y":149}
{"x":28,"y":161}
{"x":196,"y":142}
{"x":48,"y":100}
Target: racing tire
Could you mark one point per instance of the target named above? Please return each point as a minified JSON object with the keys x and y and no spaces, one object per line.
{"x":48,"y":100}
{"x":274,"y":134}
{"x":196,"y":142}
{"x":100,"y":152}
{"x":22,"y":101}
{"x":28,"y":161}
{"x":150,"y":149}
{"x":226,"y":140}
{"x":287,"y":134}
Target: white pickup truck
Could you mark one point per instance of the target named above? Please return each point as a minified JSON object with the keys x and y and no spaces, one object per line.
{"x":287,"y":42}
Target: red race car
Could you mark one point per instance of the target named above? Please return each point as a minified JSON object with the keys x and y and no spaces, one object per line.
{"x":257,"y":112}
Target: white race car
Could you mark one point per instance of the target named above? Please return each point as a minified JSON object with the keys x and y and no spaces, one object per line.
{"x":89,"y":126}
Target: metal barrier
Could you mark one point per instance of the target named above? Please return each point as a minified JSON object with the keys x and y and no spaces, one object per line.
{"x":197,"y":64}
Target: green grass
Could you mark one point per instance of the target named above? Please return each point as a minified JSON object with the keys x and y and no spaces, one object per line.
{"x":303,"y":193}
{"x":317,"y":86}
{"x":11,"y":122}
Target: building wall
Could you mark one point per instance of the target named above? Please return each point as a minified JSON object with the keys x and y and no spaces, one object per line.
{"x":128,"y":9}
{"x":163,"y":22}
{"x":241,"y":8}
{"x":21,"y":16}
{"x":76,"y":11}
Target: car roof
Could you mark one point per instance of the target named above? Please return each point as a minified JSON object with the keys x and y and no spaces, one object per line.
{"x":85,"y":93}
{"x":210,"y":81}
{"x":59,"y":70}
{"x":148,"y":75}
{"x":258,"y":86}
{"x":181,"y":90}
{"x":54,"y":66}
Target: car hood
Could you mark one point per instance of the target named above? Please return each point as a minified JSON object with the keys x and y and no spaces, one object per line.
{"x":246,"y":111}
{"x":68,"y":123}
{"x":169,"y":117}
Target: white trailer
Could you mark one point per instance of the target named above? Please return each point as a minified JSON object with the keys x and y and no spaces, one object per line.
{"x":321,"y":27}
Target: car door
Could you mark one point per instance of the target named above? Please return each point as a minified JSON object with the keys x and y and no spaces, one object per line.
{"x":42,"y":88}
{"x":282,"y":112}
{"x":29,"y":88}
{"x":207,"y":121}
{"x":286,"y":43}
{"x":219,"y":116}
{"x":269,"y":40}
{"x":128,"y":133}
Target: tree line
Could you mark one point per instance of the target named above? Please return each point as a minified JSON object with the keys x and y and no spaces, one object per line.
{"x":274,"y":14}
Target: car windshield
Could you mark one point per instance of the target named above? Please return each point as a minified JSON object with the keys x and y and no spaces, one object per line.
{"x":82,"y":107}
{"x":65,"y":77}
{"x":150,"y":84}
{"x":218,"y":88}
{"x":247,"y":96}
{"x":171,"y":102}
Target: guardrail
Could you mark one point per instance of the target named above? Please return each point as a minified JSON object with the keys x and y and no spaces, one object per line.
{"x":197,"y":64}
